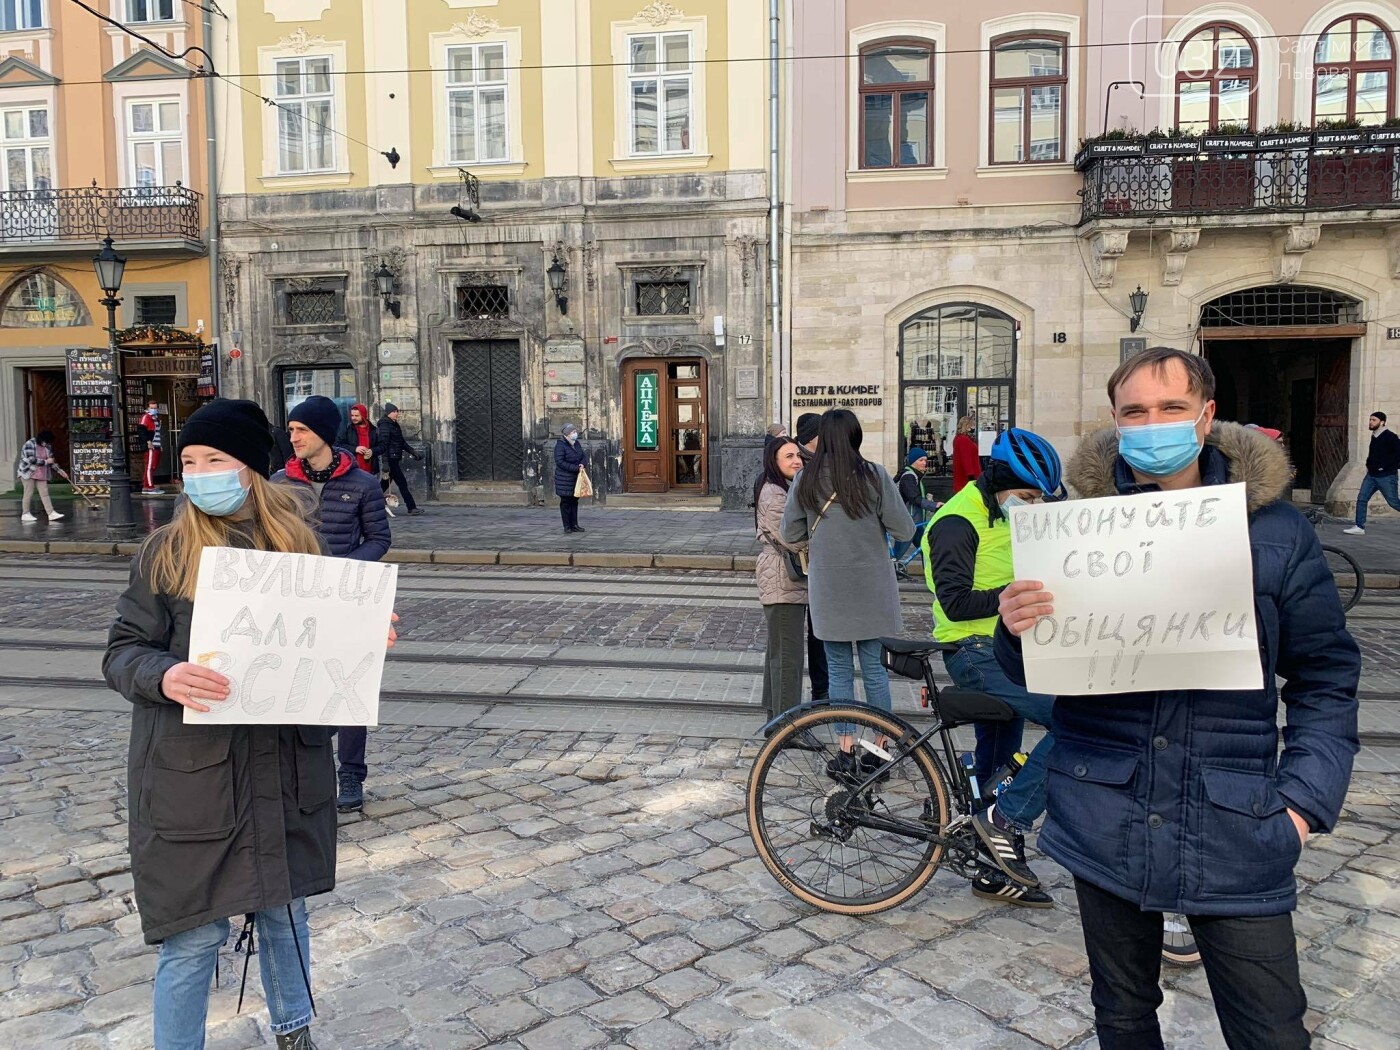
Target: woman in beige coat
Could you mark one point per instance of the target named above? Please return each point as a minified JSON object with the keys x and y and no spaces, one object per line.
{"x":784,"y":601}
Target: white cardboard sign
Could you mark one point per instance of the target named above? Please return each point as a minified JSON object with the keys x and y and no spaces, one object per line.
{"x":1153,"y":591}
{"x":302,"y":638}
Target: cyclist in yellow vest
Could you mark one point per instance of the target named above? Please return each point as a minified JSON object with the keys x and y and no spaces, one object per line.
{"x":967,"y":562}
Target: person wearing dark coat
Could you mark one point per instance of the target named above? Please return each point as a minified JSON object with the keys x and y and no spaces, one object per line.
{"x":817,"y":672}
{"x":569,"y":458}
{"x":354,"y":522}
{"x":281,"y":449}
{"x":394,"y":447}
{"x":1382,"y":467}
{"x":1180,"y":800}
{"x":224,"y":820}
{"x":361,"y":438}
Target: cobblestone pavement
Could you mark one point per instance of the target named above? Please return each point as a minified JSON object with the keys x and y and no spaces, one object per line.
{"x":609,"y":530}
{"x":546,"y":890}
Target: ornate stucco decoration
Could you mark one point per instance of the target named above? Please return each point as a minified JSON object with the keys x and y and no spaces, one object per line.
{"x":314,"y":353}
{"x":394,"y":258}
{"x":590,"y":259}
{"x":659,"y":13}
{"x":658,"y":273}
{"x":748,"y":256}
{"x":1108,"y":247}
{"x":479,"y":278}
{"x":1291,"y":245}
{"x":1184,"y":240}
{"x":476,"y":26}
{"x":299,"y":41}
{"x":231,"y":268}
{"x":487,"y":327}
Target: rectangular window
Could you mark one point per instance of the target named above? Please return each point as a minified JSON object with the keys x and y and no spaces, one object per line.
{"x":26,"y":143}
{"x":156,"y":142}
{"x":475,"y":301}
{"x":21,"y":14}
{"x":305,"y":115}
{"x":1029,"y":80}
{"x":155,"y":309}
{"x":896,"y":93}
{"x":476,"y":103}
{"x":663,"y":298}
{"x":318,"y":307}
{"x":151,"y":10}
{"x":660,"y":85}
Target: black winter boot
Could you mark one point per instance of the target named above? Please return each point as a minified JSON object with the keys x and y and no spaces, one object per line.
{"x":298,"y":1040}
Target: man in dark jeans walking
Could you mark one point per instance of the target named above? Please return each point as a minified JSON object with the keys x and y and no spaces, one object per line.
{"x":354,"y":525}
{"x":391,"y":440}
{"x":1382,"y":466}
{"x":1179,"y":800}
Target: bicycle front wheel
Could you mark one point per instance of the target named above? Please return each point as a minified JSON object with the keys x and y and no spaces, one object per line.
{"x":1351,"y":581}
{"x":838,"y":848}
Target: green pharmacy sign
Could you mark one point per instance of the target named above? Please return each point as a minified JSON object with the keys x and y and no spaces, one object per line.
{"x":645,"y":438}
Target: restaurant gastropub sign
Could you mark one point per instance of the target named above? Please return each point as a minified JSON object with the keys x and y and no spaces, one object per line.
{"x":647,"y":418}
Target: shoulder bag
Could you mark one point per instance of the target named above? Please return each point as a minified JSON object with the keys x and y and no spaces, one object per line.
{"x":796,"y":560}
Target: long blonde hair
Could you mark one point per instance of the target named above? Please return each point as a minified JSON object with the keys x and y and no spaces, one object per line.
{"x":279,"y":519}
{"x":967,"y":424}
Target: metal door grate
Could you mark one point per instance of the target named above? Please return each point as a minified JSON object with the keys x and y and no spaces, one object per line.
{"x":663,"y":298}
{"x":489,"y":426}
{"x":1281,"y":306}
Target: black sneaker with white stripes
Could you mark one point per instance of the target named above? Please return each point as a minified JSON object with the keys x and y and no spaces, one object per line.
{"x":1002,"y":890}
{"x":1005,"y":849}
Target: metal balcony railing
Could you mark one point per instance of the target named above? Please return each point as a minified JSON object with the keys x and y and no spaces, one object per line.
{"x":88,"y":213}
{"x":1250,"y":181}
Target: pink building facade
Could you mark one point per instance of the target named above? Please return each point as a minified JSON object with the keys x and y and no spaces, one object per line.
{"x":977,"y":195}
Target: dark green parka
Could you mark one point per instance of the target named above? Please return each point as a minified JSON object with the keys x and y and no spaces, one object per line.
{"x":224,"y":820}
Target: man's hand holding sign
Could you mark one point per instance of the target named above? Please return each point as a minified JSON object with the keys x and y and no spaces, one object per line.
{"x":1152,"y":591}
{"x":286,"y":639}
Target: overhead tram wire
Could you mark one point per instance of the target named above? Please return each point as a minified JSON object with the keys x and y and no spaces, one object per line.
{"x":729,"y":60}
{"x":206,"y":69}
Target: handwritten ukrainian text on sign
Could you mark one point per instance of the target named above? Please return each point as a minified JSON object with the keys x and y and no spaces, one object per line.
{"x":648,"y":421}
{"x":1154,"y":591}
{"x":301,"y":638}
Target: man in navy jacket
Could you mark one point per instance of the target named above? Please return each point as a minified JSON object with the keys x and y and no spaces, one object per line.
{"x":354,"y":523}
{"x":1179,"y":800}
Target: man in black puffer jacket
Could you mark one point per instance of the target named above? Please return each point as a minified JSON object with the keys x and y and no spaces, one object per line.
{"x":391,"y":441}
{"x":354,"y":524}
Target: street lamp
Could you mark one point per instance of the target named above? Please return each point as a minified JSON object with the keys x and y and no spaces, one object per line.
{"x":385,"y":281}
{"x":1138,"y":301}
{"x":110,"y":267}
{"x":558,"y":275}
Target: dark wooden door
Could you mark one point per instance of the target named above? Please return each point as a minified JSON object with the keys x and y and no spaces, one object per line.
{"x":47,"y":392}
{"x":1333,"y":427}
{"x":644,"y":466}
{"x":685,"y":416}
{"x":490,"y":421}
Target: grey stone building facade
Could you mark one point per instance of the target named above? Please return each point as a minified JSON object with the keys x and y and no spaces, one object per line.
{"x":654,"y":344}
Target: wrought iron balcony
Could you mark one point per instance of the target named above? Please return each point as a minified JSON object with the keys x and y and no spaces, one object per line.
{"x":1241,"y":175}
{"x":79,"y":217}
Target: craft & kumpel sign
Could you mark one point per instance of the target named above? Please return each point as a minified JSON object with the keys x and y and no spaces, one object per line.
{"x":301,"y":638}
{"x":1152,"y":591}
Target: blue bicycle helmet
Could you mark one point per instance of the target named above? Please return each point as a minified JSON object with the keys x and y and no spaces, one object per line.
{"x":1031,"y":458}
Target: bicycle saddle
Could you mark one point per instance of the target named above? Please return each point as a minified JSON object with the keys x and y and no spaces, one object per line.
{"x":916,"y":646}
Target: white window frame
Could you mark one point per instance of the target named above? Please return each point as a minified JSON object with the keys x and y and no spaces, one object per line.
{"x":16,"y":10}
{"x":285,"y":103}
{"x":936,"y":35}
{"x":661,"y":77}
{"x":475,"y":88}
{"x":157,"y":138}
{"x":1066,"y":26}
{"x":443,"y":167}
{"x":698,"y":155}
{"x":130,"y":8}
{"x":28,"y":144}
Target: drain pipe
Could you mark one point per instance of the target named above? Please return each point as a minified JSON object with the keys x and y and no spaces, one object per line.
{"x":211,"y":182}
{"x":775,"y":335}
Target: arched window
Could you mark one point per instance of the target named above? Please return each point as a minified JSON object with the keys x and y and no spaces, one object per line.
{"x":41,"y":300}
{"x":1354,"y":72}
{"x":958,"y":359}
{"x":1216,"y":74}
{"x":896,"y":104}
{"x":1029,"y":80}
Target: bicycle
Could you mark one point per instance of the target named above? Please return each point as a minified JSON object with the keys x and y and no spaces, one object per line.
{"x":1346,"y":570}
{"x":862,"y":841}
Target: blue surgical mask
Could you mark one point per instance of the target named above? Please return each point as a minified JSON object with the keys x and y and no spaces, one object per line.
{"x":218,"y":493}
{"x":1011,"y":503}
{"x":1160,"y":450}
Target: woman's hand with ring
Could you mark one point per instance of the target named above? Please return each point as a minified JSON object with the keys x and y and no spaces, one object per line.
{"x":188,"y":684}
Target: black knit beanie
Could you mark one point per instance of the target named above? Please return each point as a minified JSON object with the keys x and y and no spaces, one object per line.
{"x":236,"y":427}
{"x":320,"y":415}
{"x":807,"y":424}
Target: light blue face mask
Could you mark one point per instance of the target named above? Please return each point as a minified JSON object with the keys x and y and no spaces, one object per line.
{"x":1160,"y":450}
{"x":218,"y":493}
{"x":1011,"y":503}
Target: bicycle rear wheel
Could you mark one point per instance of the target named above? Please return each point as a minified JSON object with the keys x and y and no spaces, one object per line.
{"x":811,"y":830}
{"x":1351,"y":581}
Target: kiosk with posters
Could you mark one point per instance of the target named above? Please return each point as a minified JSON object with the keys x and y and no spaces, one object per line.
{"x":179,"y":372}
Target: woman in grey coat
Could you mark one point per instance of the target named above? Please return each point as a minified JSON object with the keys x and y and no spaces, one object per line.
{"x":842,"y":505}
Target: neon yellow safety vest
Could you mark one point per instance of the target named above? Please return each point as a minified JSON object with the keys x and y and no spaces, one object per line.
{"x":993,"y":568}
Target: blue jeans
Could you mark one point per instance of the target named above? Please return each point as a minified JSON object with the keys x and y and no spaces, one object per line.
{"x":842,"y":670}
{"x":186,"y":968}
{"x":1370,"y":485}
{"x":974,"y":666}
{"x":903,"y":547}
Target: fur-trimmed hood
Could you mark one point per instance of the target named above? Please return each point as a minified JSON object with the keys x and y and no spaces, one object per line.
{"x":1250,"y":456}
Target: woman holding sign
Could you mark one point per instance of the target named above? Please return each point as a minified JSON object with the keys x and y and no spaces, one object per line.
{"x":224,"y":820}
